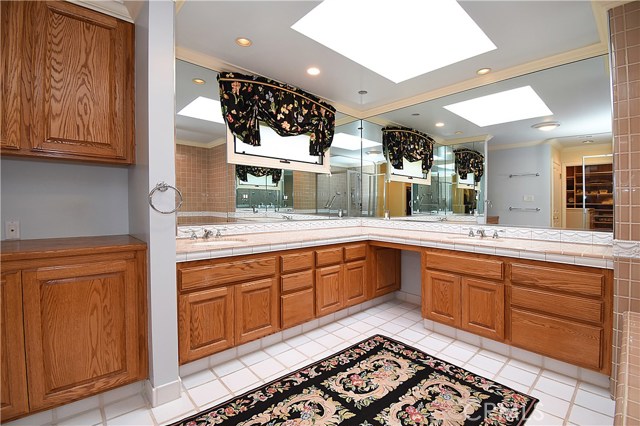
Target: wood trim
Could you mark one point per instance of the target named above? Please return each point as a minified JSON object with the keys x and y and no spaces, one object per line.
{"x":556,"y":279}
{"x":296,"y":261}
{"x":297,"y":307}
{"x":296,"y":281}
{"x":355,"y":252}
{"x":329,"y":256}
{"x":221,"y":273}
{"x":573,"y":307}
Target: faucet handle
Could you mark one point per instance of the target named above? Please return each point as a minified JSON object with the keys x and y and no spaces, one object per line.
{"x":495,"y":233}
{"x":471,"y":234}
{"x":193,"y":235}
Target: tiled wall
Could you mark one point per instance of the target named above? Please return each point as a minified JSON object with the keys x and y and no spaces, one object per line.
{"x":304,"y":191}
{"x":199,"y":173}
{"x":624,"y":24}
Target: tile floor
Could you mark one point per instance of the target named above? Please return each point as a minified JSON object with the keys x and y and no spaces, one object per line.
{"x":563,"y":400}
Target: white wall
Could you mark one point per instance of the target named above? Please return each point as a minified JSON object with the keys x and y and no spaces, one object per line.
{"x":504,"y":191}
{"x":155,"y":81}
{"x":54,"y":199}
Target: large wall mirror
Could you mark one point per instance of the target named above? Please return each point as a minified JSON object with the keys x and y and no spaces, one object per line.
{"x":561,"y":178}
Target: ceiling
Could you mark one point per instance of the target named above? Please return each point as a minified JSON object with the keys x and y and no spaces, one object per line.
{"x":529,"y":35}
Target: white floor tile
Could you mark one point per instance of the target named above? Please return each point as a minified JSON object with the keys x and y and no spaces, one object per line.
{"x":486,"y":363}
{"x":551,"y":387}
{"x":208,"y":393}
{"x":329,"y":341}
{"x":297,"y":341}
{"x":316,"y":333}
{"x":550,"y":404}
{"x":411,"y":336}
{"x":228,"y":367}
{"x":361,"y":327}
{"x":257,"y":356}
{"x":240,"y":380}
{"x":600,"y":404}
{"x":403,"y":321}
{"x":92,"y":417}
{"x":330,"y":328}
{"x":540,"y":418}
{"x":141,"y":416}
{"x":559,"y":377}
{"x":479,"y":371}
{"x":311,"y":348}
{"x":171,"y":410}
{"x":126,"y":405}
{"x":603,"y":392}
{"x":292,"y":358}
{"x":521,"y":376}
{"x":525,"y":366}
{"x":198,"y":379}
{"x":374,"y":320}
{"x":494,"y":355}
{"x":347,"y":333}
{"x":391,"y":328}
{"x":38,"y":419}
{"x":512,"y":384}
{"x":458,"y":353}
{"x":346,"y":322}
{"x":431,"y":345}
{"x":584,"y":417}
{"x":442,"y":337}
{"x":277,"y":349}
{"x":267,"y":368}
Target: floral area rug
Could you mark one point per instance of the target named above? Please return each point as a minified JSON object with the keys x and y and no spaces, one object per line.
{"x":378,"y":381}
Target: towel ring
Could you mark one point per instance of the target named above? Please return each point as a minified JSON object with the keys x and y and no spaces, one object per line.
{"x":162,"y":187}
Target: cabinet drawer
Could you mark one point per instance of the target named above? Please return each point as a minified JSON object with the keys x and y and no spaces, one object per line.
{"x":568,"y":306}
{"x":355,"y":252}
{"x":224,"y":273}
{"x":587,"y":283}
{"x":575,"y":343}
{"x":466,"y":265}
{"x":297,"y":308}
{"x":296,"y":261}
{"x":297,"y":281}
{"x":328,"y":256}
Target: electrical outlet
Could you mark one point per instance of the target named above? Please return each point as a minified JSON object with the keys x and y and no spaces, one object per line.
{"x":527,"y":198}
{"x":12,"y":230}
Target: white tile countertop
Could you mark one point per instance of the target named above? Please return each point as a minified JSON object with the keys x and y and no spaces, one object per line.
{"x":233,"y":244}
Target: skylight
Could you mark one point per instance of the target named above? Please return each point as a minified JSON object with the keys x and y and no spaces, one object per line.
{"x":398,"y":39}
{"x":502,"y":107}
{"x":203,"y":109}
{"x":351,"y":142}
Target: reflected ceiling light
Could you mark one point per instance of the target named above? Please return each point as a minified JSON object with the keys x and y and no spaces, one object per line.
{"x":313,"y":71}
{"x":502,"y":107}
{"x":588,"y":141}
{"x":546,"y":126}
{"x":483,"y":71}
{"x":351,"y":142}
{"x":374,"y":152}
{"x":405,"y":24}
{"x":203,"y":109}
{"x":362,"y":92}
{"x":415,"y":114}
{"x":459,"y":132}
{"x":243,"y":42}
{"x":439,"y":124}
{"x":198,"y":81}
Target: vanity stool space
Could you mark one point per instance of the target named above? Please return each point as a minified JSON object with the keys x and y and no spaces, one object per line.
{"x":73,"y":319}
{"x":229,"y":301}
{"x":558,"y":310}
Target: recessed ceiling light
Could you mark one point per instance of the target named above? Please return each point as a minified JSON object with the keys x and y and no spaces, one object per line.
{"x":459,"y":132}
{"x":483,"y":71}
{"x":203,"y":109}
{"x":459,"y":37}
{"x":351,"y":142}
{"x":374,"y":152}
{"x":502,"y":107}
{"x":362,"y":92}
{"x":313,"y":71}
{"x":588,"y":141}
{"x":439,"y":124}
{"x":198,"y":81}
{"x":415,"y":114}
{"x":546,"y":126}
{"x":243,"y":42}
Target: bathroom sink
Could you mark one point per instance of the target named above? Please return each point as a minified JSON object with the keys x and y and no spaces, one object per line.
{"x":219,"y":242}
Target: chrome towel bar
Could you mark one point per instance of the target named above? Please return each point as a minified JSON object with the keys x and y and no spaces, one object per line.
{"x":523,"y":209}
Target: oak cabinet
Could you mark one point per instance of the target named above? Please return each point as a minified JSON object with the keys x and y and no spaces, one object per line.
{"x":441,"y":298}
{"x":386,"y":271}
{"x":69,"y":87}
{"x":329,"y":283}
{"x":73,"y":318}
{"x":297,"y":300}
{"x":13,"y":393}
{"x":224,"y":303}
{"x":355,"y":282}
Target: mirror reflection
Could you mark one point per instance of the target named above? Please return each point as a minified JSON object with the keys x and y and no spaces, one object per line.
{"x":559,"y":178}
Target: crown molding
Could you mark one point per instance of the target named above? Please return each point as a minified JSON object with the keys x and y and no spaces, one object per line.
{"x":207,"y":145}
{"x":115,"y":8}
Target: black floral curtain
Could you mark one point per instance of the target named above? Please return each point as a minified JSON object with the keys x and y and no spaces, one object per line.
{"x":468,"y":161}
{"x":246,"y":100}
{"x":402,"y":142}
{"x":243,"y":171}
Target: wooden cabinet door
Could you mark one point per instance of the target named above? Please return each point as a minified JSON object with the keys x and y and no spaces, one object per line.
{"x":13,"y":393}
{"x":81,"y":329}
{"x":483,"y":307}
{"x":297,"y":307}
{"x":387,"y":271}
{"x":11,"y":66}
{"x":205,"y":323}
{"x":256,"y":309}
{"x":355,"y":282}
{"x":441,"y":297}
{"x":329,"y":281}
{"x":82,"y":103}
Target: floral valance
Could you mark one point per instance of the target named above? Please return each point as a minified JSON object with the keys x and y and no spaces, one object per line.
{"x":468,"y":161}
{"x":243,"y":171}
{"x":402,"y":142}
{"x":246,"y":100}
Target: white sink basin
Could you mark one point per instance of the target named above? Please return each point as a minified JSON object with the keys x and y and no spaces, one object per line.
{"x":220,"y":242}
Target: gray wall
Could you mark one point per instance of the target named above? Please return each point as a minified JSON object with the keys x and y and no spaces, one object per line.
{"x":410,"y":272}
{"x":504,"y":191}
{"x":62,"y":199}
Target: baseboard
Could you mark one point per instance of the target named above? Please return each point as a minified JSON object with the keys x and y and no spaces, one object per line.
{"x":162,"y":394}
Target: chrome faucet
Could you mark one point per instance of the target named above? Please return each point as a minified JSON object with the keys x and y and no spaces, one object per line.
{"x":471,"y":234}
{"x":207,"y":233}
{"x":193,"y":235}
{"x":481,"y":233}
{"x":219,"y":233}
{"x":495,"y":233}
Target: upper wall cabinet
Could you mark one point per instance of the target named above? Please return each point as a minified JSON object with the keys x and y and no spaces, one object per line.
{"x":67,"y":83}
